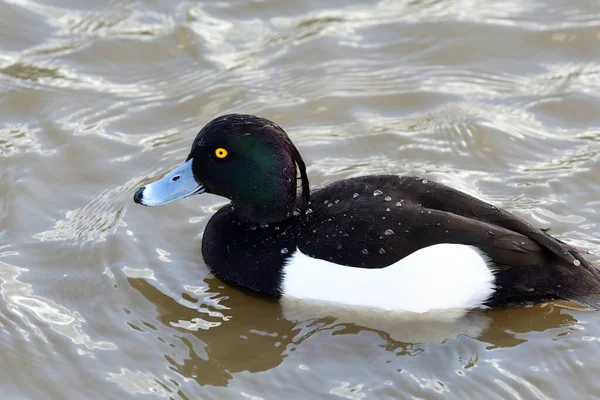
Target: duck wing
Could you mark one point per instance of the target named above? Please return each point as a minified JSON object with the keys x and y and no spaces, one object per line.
{"x":441,"y":197}
{"x":374,"y":221}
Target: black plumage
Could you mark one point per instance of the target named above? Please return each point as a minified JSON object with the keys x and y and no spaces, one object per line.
{"x":363,"y":222}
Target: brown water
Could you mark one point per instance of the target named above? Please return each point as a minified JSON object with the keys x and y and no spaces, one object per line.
{"x":102,"y":299}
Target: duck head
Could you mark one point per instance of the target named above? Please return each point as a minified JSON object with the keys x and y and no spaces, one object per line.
{"x":247,"y":159}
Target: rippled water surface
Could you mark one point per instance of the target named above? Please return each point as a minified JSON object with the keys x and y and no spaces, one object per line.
{"x":102,"y":299}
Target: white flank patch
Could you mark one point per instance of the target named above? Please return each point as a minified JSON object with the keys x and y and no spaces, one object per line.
{"x":440,"y":277}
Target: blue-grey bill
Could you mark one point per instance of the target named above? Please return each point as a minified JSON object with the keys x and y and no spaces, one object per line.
{"x":178,"y":184}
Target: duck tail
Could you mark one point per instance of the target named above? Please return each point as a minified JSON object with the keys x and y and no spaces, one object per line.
{"x":583,"y":285}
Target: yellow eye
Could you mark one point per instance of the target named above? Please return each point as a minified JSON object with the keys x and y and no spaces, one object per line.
{"x":221,"y":152}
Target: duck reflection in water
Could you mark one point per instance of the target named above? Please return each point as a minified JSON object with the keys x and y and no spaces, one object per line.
{"x":246,"y":333}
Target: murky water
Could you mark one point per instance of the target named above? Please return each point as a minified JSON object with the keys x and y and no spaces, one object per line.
{"x":102,"y":299}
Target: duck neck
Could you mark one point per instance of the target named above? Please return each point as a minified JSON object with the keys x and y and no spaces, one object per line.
{"x":266,"y":210}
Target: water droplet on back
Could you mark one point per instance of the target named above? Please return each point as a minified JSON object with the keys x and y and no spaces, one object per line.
{"x":284,"y":250}
{"x":365,"y":252}
{"x":424,"y":180}
{"x":253,"y":227}
{"x":355,"y":195}
{"x":398,"y":204}
{"x":308,"y":210}
{"x":381,"y":251}
{"x":577,"y":263}
{"x":264,"y":225}
{"x":387,"y":198}
{"x":388,"y":232}
{"x":377,"y":192}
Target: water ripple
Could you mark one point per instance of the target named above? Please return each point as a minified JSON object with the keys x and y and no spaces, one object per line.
{"x":95,"y":220}
{"x":137,"y":383}
{"x":18,"y":138}
{"x":21,"y":300}
{"x":497,"y":98}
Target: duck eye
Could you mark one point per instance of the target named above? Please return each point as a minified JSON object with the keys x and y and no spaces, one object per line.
{"x":221,"y":152}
